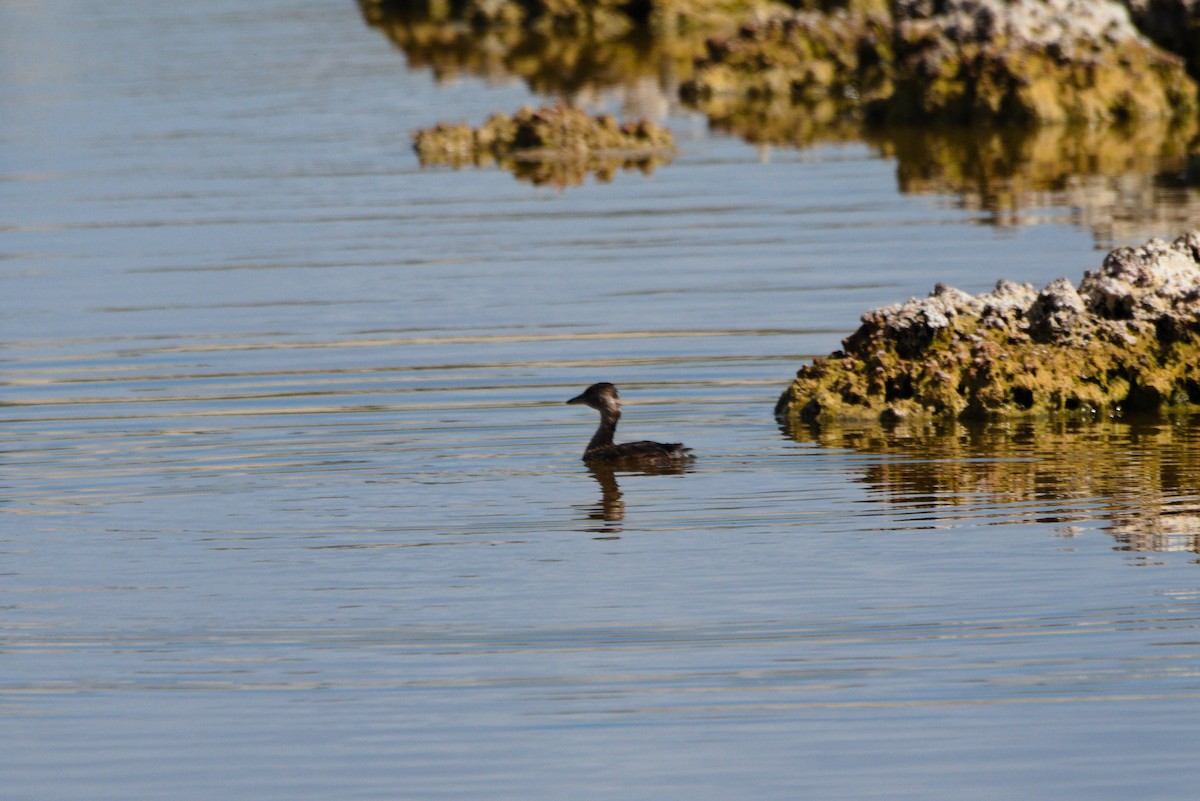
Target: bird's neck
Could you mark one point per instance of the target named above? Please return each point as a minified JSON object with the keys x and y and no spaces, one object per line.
{"x":608,"y":427}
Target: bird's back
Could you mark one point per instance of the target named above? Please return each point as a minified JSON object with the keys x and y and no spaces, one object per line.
{"x":642,"y":451}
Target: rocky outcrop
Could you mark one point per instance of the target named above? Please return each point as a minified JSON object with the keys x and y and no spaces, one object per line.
{"x":1126,"y":339}
{"x":553,"y":145}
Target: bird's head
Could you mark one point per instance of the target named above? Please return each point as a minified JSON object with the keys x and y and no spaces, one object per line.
{"x":602,"y":396}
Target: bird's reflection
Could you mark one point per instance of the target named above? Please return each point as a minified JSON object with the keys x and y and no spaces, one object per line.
{"x":605,"y":517}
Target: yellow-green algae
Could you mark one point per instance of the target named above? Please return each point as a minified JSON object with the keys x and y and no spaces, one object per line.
{"x":1127,"y":340}
{"x":557,"y":144}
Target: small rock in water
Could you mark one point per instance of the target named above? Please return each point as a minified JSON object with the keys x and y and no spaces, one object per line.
{"x":557,"y":145}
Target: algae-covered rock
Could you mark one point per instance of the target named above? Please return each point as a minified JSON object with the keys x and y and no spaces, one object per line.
{"x":1126,"y":339}
{"x":1031,"y":61}
{"x":556,"y":145}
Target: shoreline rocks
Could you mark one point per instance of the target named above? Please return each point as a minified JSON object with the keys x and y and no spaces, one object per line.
{"x":1127,"y":339}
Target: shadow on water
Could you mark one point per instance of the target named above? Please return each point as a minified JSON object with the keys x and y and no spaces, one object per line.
{"x":1117,"y":180}
{"x":1142,"y":479}
{"x":605,"y":517}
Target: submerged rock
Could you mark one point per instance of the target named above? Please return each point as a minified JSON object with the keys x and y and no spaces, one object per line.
{"x":1126,"y":339}
{"x":556,"y":144}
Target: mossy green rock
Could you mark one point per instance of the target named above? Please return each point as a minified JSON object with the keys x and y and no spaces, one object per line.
{"x":1127,"y":339}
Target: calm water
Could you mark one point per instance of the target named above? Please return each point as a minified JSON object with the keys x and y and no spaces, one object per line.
{"x":291,"y":507}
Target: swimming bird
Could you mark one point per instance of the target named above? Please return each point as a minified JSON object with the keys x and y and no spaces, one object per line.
{"x":604,"y":398}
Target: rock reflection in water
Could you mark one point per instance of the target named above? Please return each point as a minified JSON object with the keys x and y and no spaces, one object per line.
{"x":606,"y":515}
{"x":1142,"y":479}
{"x":1117,"y":180}
{"x":1122,"y":182}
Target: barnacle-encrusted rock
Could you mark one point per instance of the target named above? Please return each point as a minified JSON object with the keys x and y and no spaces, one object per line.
{"x":1056,"y":313}
{"x":1127,"y":339}
{"x":556,"y":144}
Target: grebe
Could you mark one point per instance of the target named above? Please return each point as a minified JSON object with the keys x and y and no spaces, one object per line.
{"x":604,"y":398}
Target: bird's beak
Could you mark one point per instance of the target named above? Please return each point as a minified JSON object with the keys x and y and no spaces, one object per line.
{"x":577,"y":399}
